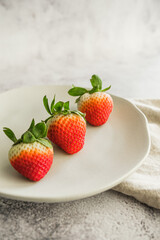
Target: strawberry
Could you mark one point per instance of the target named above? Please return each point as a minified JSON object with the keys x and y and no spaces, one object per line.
{"x":32,"y":154}
{"x":66,"y":128}
{"x":95,"y":103}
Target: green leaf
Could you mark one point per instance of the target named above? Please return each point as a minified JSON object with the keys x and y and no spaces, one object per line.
{"x":93,"y":90}
{"x":48,"y":119}
{"x":45,"y":142}
{"x":52,"y":104}
{"x":28,"y":137}
{"x":17,"y":142}
{"x":65,"y":112}
{"x":66,"y":105}
{"x":32,"y":125}
{"x":79,"y":113}
{"x":106,"y":89}
{"x":39,"y":130}
{"x":96,"y":82}
{"x":10,"y":134}
{"x":58,"y":106}
{"x":77,"y":100}
{"x":46,"y":105}
{"x":77,"y":91}
{"x":82,"y":114}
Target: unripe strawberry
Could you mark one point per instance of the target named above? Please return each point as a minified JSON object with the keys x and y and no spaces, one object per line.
{"x":95,"y":103}
{"x":32,"y":154}
{"x":66,"y":128}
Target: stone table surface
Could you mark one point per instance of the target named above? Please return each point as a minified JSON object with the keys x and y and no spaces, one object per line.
{"x":65,"y":42}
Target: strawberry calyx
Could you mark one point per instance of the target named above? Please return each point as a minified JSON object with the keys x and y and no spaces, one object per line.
{"x":35,"y":133}
{"x":59,"y":108}
{"x":96,"y":83}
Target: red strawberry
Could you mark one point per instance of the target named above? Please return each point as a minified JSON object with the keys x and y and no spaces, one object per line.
{"x":95,"y":103}
{"x":32,"y":154}
{"x":66,"y":128}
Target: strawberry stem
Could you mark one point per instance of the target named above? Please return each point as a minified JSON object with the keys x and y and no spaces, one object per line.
{"x":35,"y":133}
{"x":59,"y":108}
{"x":96,"y":83}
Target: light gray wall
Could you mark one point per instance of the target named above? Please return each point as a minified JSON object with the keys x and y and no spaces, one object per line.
{"x":52,"y":41}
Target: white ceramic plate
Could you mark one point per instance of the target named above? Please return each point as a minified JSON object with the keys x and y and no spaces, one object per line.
{"x":111,"y":152}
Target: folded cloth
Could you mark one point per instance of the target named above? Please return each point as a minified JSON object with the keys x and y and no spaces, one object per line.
{"x":144,"y":184}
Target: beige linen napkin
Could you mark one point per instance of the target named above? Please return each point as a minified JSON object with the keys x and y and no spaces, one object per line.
{"x":144,"y":184}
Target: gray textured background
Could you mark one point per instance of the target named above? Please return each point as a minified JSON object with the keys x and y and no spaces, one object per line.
{"x":109,"y":215}
{"x":65,"y":42}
